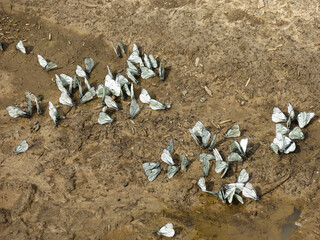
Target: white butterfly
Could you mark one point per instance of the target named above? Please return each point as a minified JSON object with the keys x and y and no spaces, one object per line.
{"x":133,"y":69}
{"x":156,"y":105}
{"x":47,"y":66}
{"x":144,"y":96}
{"x":65,"y":99}
{"x":284,"y":144}
{"x":202,"y":184}
{"x":88,"y":63}
{"x":113,"y":86}
{"x":146,"y":72}
{"x":292,"y":115}
{"x":220,"y":164}
{"x":134,"y":106}
{"x":104,"y":118}
{"x":243,"y":176}
{"x":66,"y":80}
{"x":88,"y":96}
{"x":22,"y":147}
{"x":296,"y":134}
{"x":115,"y":50}
{"x":199,"y":130}
{"x":134,"y":57}
{"x":249,"y":191}
{"x":20,"y":47}
{"x":233,"y":132}
{"x":278,"y":115}
{"x":161,"y":70}
{"x":166,"y":157}
{"x":80,"y":72}
{"x":152,"y":170}
{"x":53,"y":113}
{"x":153,"y":61}
{"x":60,"y":85}
{"x":172,"y":170}
{"x":110,"y":103}
{"x":184,"y":162}
{"x":32,"y":97}
{"x":304,"y":118}
{"x":16,"y":112}
{"x":241,"y":148}
{"x":131,"y":76}
{"x":147,"y":61}
{"x":121,"y":46}
{"x":167,"y":230}
{"x":281,"y":129}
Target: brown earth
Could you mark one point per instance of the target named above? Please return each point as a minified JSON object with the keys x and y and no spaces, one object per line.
{"x":82,"y":180}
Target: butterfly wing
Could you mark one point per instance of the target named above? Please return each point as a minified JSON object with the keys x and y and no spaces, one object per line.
{"x":104,"y":118}
{"x":144,"y":96}
{"x":22,"y":147}
{"x":21,"y":47}
{"x":278,"y":115}
{"x":243,"y":176}
{"x":88,"y":63}
{"x":43,"y":63}
{"x":166,"y":157}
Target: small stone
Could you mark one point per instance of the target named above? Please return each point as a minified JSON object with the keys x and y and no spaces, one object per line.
{"x":203,"y":99}
{"x":184,"y":93}
{"x":197,"y":62}
{"x":158,"y":119}
{"x":126,"y":184}
{"x":242,"y":103}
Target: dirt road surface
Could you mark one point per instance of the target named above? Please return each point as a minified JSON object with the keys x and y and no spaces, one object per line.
{"x":83,"y":180}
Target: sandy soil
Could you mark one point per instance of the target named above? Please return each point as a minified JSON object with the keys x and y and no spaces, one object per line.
{"x":82,"y":180}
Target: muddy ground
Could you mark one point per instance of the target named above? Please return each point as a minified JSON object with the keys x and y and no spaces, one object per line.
{"x":82,"y":180}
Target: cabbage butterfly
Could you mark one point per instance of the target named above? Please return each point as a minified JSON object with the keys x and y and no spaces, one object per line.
{"x":21,"y":47}
{"x":22,"y":147}
{"x":53,"y":113}
{"x":47,"y":66}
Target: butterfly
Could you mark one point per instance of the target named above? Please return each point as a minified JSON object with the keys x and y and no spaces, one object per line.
{"x":22,"y":147}
{"x":32,"y":97}
{"x":283,"y":144}
{"x":17,"y":112}
{"x":199,"y":131}
{"x":135,"y":55}
{"x":221,"y":166}
{"x":233,"y":132}
{"x":152,"y":170}
{"x":104,"y":118}
{"x":21,"y":47}
{"x":53,"y":113}
{"x":167,"y":230}
{"x":47,"y":66}
{"x":115,"y":49}
{"x":134,"y":106}
{"x":153,"y":61}
{"x":296,"y":134}
{"x":304,"y":118}
{"x":88,"y":96}
{"x":65,"y":99}
{"x":237,"y":150}
{"x":161,"y":70}
{"x":184,"y":162}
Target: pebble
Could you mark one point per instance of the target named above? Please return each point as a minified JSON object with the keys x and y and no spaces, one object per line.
{"x":184,"y":93}
{"x":203,"y":99}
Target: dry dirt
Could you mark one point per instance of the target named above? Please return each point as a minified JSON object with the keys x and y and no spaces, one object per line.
{"x":82,"y":180}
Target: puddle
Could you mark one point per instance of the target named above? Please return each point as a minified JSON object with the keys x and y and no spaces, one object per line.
{"x":289,"y":226}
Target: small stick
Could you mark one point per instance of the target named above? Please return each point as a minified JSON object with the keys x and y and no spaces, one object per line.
{"x":248,"y":82}
{"x":226,"y":121}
